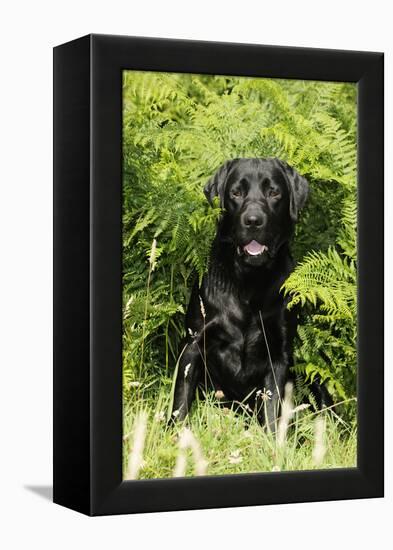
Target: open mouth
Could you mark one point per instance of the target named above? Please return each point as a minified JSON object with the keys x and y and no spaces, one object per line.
{"x":253,"y":248}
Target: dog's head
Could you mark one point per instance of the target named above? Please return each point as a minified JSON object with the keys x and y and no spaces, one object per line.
{"x":261,"y":199}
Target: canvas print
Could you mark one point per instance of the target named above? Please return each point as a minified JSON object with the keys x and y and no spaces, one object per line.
{"x":239,"y":275}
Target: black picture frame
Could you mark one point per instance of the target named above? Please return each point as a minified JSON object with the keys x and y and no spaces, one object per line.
{"x":88,"y":270}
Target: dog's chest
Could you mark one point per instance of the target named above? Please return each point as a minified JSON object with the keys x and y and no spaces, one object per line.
{"x":239,"y":356}
{"x":244,"y":327}
{"x":246,"y":338}
{"x":252,"y":340}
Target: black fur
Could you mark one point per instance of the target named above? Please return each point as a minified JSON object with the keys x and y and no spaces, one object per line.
{"x":250,"y":259}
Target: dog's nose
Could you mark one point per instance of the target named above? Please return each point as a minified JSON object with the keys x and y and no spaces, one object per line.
{"x":253,"y":219}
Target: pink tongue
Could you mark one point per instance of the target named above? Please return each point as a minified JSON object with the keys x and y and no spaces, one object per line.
{"x":254,"y":248}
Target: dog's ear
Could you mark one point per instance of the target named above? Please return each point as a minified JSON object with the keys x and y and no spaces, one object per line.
{"x":215,"y":187}
{"x":298,"y":189}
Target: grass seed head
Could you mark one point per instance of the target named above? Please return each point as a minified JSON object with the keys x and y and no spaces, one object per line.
{"x":135,"y":459}
{"x":187,"y":440}
{"x":203,"y":311}
{"x":186,"y":370}
{"x":319,"y":449}
{"x":286,"y":415}
{"x":153,"y":255}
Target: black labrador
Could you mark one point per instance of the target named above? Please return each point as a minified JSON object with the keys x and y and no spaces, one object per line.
{"x":239,"y":331}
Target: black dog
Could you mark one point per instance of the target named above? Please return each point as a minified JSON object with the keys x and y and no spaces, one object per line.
{"x":239,"y":332}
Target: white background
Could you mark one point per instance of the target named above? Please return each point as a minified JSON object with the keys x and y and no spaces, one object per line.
{"x":29,"y":30}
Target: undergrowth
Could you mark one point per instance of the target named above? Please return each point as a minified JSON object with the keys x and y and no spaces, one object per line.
{"x":177,"y":130}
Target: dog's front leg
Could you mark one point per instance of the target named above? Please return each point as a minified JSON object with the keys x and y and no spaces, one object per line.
{"x":188,"y":375}
{"x":273,"y":394}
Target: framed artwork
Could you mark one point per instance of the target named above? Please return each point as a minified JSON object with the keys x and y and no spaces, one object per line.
{"x":218,"y":274}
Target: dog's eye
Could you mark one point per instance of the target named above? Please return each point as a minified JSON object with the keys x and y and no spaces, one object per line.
{"x":274,"y":193}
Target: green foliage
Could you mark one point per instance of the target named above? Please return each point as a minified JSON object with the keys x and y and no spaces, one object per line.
{"x":324,"y":283}
{"x":232,"y":443}
{"x":177,"y":130}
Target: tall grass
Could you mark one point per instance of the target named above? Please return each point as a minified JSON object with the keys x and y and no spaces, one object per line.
{"x":226,"y":442}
